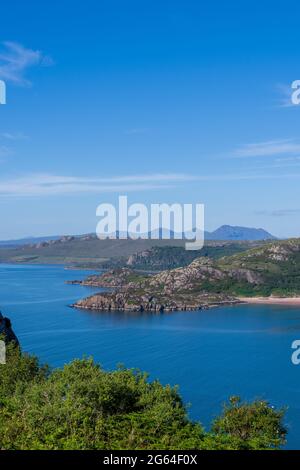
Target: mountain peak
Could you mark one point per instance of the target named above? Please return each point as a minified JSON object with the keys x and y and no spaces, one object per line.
{"x":230,"y":232}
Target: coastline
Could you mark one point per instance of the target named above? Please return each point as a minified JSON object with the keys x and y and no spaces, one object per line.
{"x":107,"y":302}
{"x":271,"y":300}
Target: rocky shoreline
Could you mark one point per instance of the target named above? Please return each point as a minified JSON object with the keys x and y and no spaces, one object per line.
{"x":267,"y":272}
{"x":121,"y":303}
{"x":167,"y":291}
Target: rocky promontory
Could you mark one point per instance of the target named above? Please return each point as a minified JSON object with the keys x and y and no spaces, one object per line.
{"x":176,"y":289}
{"x":6,"y":331}
{"x":268,"y":270}
{"x":130,"y":301}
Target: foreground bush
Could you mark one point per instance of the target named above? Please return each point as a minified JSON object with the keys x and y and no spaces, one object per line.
{"x":83,"y":407}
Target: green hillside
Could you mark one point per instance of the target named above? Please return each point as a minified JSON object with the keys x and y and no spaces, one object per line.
{"x":275,"y":268}
{"x":271,"y":269}
{"x":89,"y":251}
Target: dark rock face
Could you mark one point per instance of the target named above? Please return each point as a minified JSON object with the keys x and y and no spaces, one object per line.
{"x":6,"y":330}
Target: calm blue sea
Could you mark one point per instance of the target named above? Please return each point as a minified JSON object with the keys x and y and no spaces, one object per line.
{"x":211,"y":355}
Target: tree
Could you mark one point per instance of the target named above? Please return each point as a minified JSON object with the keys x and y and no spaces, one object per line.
{"x":252,"y":426}
{"x":81,"y":406}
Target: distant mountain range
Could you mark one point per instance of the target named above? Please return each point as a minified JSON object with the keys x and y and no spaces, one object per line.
{"x":225,"y":232}
{"x":229,"y":232}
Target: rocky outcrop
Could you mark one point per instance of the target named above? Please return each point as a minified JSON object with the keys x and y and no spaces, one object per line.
{"x":161,"y":258}
{"x":247,"y":275}
{"x":6,"y":331}
{"x":130,"y":301}
{"x":269,"y":270}
{"x":48,"y":243}
{"x":114,"y":278}
{"x":185,"y":278}
{"x":176,"y":289}
{"x":170,"y":290}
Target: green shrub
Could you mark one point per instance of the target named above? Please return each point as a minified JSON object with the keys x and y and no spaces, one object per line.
{"x":81,"y":406}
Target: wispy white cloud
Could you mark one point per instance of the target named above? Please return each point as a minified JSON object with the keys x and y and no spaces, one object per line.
{"x":268,"y":149}
{"x":37,"y":185}
{"x":15,"y":59}
{"x":49,"y":185}
{"x":13,"y":136}
{"x":247,"y":176}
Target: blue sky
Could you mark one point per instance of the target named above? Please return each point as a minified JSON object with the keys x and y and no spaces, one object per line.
{"x":166,"y":101}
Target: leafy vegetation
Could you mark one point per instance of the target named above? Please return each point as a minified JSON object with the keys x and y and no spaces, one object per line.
{"x":84,"y":407}
{"x":277,"y":264}
{"x":168,"y":257}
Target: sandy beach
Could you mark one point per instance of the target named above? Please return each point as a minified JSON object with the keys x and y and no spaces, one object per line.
{"x":271,"y":300}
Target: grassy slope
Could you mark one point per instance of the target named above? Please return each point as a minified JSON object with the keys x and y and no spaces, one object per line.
{"x":93,"y":252}
{"x":277,"y":263}
{"x":273,"y":269}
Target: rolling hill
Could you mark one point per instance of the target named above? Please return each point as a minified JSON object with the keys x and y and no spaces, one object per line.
{"x":269,"y":270}
{"x":87,"y":250}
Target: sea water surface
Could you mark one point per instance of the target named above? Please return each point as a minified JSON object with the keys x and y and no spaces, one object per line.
{"x":240,"y":350}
